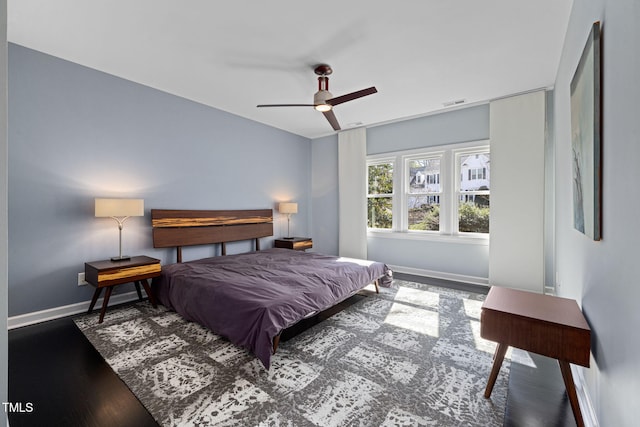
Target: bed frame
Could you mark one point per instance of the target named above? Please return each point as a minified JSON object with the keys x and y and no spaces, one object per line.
{"x":178,"y":228}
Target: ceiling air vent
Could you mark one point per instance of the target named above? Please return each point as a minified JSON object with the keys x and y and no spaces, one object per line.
{"x":456,"y":102}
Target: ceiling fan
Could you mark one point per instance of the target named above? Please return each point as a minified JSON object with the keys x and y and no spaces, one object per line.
{"x":323,"y":100}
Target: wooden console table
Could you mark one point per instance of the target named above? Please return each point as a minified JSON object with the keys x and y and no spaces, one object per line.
{"x":543,"y":324}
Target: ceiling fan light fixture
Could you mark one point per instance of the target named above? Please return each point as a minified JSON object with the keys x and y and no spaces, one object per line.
{"x":320,"y":100}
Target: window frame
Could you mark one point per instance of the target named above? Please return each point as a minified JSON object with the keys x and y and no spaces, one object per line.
{"x":449,"y":190}
{"x":405,"y":189}
{"x":457,"y":154}
{"x":392,"y":195}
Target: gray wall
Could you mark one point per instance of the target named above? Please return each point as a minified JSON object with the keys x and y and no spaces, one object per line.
{"x":3,"y":208}
{"x":462,"y":125}
{"x":76,"y":134}
{"x":467,"y":259}
{"x":603,"y":276}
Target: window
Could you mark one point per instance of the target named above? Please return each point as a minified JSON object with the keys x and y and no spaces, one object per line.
{"x":417,"y":192}
{"x":380,"y":195}
{"x":473,"y":191}
{"x":423,"y":193}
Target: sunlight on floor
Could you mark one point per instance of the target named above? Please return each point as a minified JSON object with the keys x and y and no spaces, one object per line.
{"x":416,"y":310}
{"x":415,"y":319}
{"x":482,"y":344}
{"x":472,"y":308}
{"x":418,"y":297}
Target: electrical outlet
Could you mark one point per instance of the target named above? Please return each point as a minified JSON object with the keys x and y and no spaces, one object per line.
{"x":81,"y":281}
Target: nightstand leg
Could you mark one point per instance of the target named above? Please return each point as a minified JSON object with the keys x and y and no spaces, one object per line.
{"x":565,"y":368}
{"x":96,"y":295}
{"x":105,"y":302}
{"x":147,"y":289}
{"x":137,"y":283}
{"x":498,"y":357}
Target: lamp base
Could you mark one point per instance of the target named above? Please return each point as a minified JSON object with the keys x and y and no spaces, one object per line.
{"x":288,"y":238}
{"x":121,"y":258}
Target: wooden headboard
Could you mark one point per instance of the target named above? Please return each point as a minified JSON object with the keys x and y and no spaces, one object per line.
{"x":178,"y":228}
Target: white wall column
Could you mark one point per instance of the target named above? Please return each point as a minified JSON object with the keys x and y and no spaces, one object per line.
{"x":352,"y":203}
{"x":516,"y":248}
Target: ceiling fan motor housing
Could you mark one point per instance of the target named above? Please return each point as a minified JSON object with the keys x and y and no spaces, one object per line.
{"x":321,"y":96}
{"x":320,"y":99}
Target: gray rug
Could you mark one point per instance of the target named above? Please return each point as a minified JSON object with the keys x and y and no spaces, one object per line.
{"x":411,"y":356}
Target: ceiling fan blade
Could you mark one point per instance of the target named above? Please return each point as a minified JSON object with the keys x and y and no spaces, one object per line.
{"x":351,"y":96}
{"x":285,"y":105}
{"x":332,"y":119}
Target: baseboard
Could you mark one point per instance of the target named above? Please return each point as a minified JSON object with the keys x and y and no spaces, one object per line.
{"x":441,"y":275}
{"x":584,"y":400}
{"x":64,"y":311}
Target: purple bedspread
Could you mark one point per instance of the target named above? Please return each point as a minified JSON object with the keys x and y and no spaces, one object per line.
{"x":250,"y":298}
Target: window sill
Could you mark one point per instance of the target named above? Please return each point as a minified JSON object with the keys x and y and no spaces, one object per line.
{"x":465,"y":239}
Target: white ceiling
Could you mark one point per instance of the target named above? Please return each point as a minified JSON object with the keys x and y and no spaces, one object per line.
{"x":233,"y":55}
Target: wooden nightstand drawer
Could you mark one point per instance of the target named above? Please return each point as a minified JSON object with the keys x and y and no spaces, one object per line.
{"x":126,"y":273}
{"x":108,"y":273}
{"x":295,"y":243}
{"x":303,"y":245}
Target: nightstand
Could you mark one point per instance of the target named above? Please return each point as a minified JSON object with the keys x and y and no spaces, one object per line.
{"x":108,"y":274}
{"x":296,"y":243}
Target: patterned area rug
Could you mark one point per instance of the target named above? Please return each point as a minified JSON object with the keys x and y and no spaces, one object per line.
{"x":410,"y":356}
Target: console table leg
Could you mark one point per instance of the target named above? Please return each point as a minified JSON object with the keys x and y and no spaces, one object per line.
{"x":137,"y":284}
{"x":105,"y":302}
{"x":147,"y":289}
{"x":96,"y":295}
{"x":565,"y":368}
{"x":495,"y":370}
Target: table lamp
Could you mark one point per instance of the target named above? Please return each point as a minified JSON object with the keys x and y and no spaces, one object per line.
{"x":120,"y":210}
{"x":288,"y":208}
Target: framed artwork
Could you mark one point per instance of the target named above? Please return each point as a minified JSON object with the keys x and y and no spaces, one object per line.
{"x":586,"y":139}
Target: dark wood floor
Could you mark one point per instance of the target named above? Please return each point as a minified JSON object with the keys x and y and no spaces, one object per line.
{"x":55,"y":368}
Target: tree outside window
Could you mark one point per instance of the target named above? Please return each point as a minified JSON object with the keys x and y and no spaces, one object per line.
{"x":380,"y":195}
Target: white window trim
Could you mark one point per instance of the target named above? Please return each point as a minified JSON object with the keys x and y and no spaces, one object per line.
{"x":380,"y":161}
{"x":404,"y":184}
{"x":462,"y":238}
{"x":457,"y":153}
{"x":450,"y":169}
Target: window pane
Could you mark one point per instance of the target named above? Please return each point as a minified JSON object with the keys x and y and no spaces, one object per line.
{"x":473,"y":213}
{"x":475,"y":172}
{"x":381,"y":178}
{"x":424,"y":176}
{"x":424,"y":212}
{"x":379,"y":212}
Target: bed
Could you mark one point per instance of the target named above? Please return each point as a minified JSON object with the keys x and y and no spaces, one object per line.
{"x":250,"y":298}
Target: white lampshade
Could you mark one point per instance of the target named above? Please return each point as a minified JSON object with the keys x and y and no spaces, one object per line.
{"x":119,"y":207}
{"x":288,"y":208}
